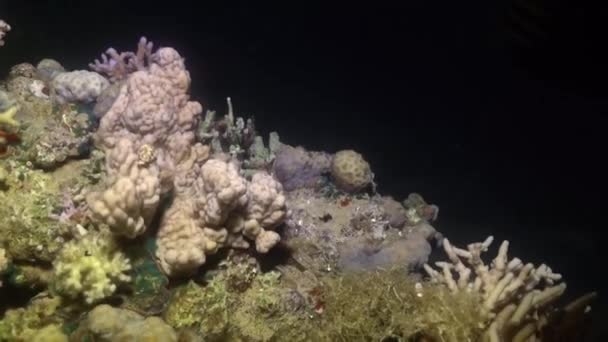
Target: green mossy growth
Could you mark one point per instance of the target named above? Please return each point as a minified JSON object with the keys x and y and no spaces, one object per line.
{"x":204,"y":309}
{"x":23,"y":324}
{"x":261,"y":314}
{"x":149,"y":285}
{"x":372,"y":306}
{"x":26,"y":228}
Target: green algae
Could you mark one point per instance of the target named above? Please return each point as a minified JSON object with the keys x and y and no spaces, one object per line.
{"x":28,"y":202}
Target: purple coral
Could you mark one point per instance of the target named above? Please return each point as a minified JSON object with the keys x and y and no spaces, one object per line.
{"x":117,"y":66}
{"x":297,"y":168}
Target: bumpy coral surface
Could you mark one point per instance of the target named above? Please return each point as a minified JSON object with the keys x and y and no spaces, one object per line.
{"x":91,"y":267}
{"x":107,"y":324}
{"x":148,"y":129}
{"x":79,"y":86}
{"x":218,"y":210}
{"x":350,"y":171}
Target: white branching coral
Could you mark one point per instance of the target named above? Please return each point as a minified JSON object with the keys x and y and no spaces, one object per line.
{"x":91,"y":267}
{"x":4,"y":28}
{"x":515,"y":296}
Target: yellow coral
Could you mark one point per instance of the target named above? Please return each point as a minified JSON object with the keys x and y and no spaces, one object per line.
{"x":92,"y":267}
{"x":8,"y":116}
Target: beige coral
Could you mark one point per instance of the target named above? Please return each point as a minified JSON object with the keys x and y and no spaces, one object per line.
{"x":265,"y":209}
{"x":105,"y":323}
{"x":350,"y":171}
{"x":218,"y":210}
{"x":515,"y":296}
{"x":146,"y":133}
{"x":223,"y":190}
{"x":132,"y":198}
{"x":149,"y":141}
{"x":182,"y":244}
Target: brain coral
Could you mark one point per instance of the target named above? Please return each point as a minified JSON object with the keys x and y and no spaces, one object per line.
{"x":350,"y":171}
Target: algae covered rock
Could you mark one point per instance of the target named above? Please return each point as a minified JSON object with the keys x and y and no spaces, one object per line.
{"x":107,"y":324}
{"x":203,"y":309}
{"x":29,"y":198}
{"x":25,"y":324}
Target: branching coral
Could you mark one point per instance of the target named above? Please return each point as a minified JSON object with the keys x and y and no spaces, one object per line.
{"x":118,"y":66}
{"x":91,"y":267}
{"x":516,"y":297}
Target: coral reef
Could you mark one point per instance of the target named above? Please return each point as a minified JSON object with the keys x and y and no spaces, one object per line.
{"x":350,"y":171}
{"x":148,"y":137}
{"x":128,"y":213}
{"x":4,"y":28}
{"x":91,"y":267}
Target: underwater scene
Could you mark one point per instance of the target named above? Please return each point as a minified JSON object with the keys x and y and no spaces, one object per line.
{"x":132,"y":209}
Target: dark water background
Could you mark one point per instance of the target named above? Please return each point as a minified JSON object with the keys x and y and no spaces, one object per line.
{"x":495,"y":111}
